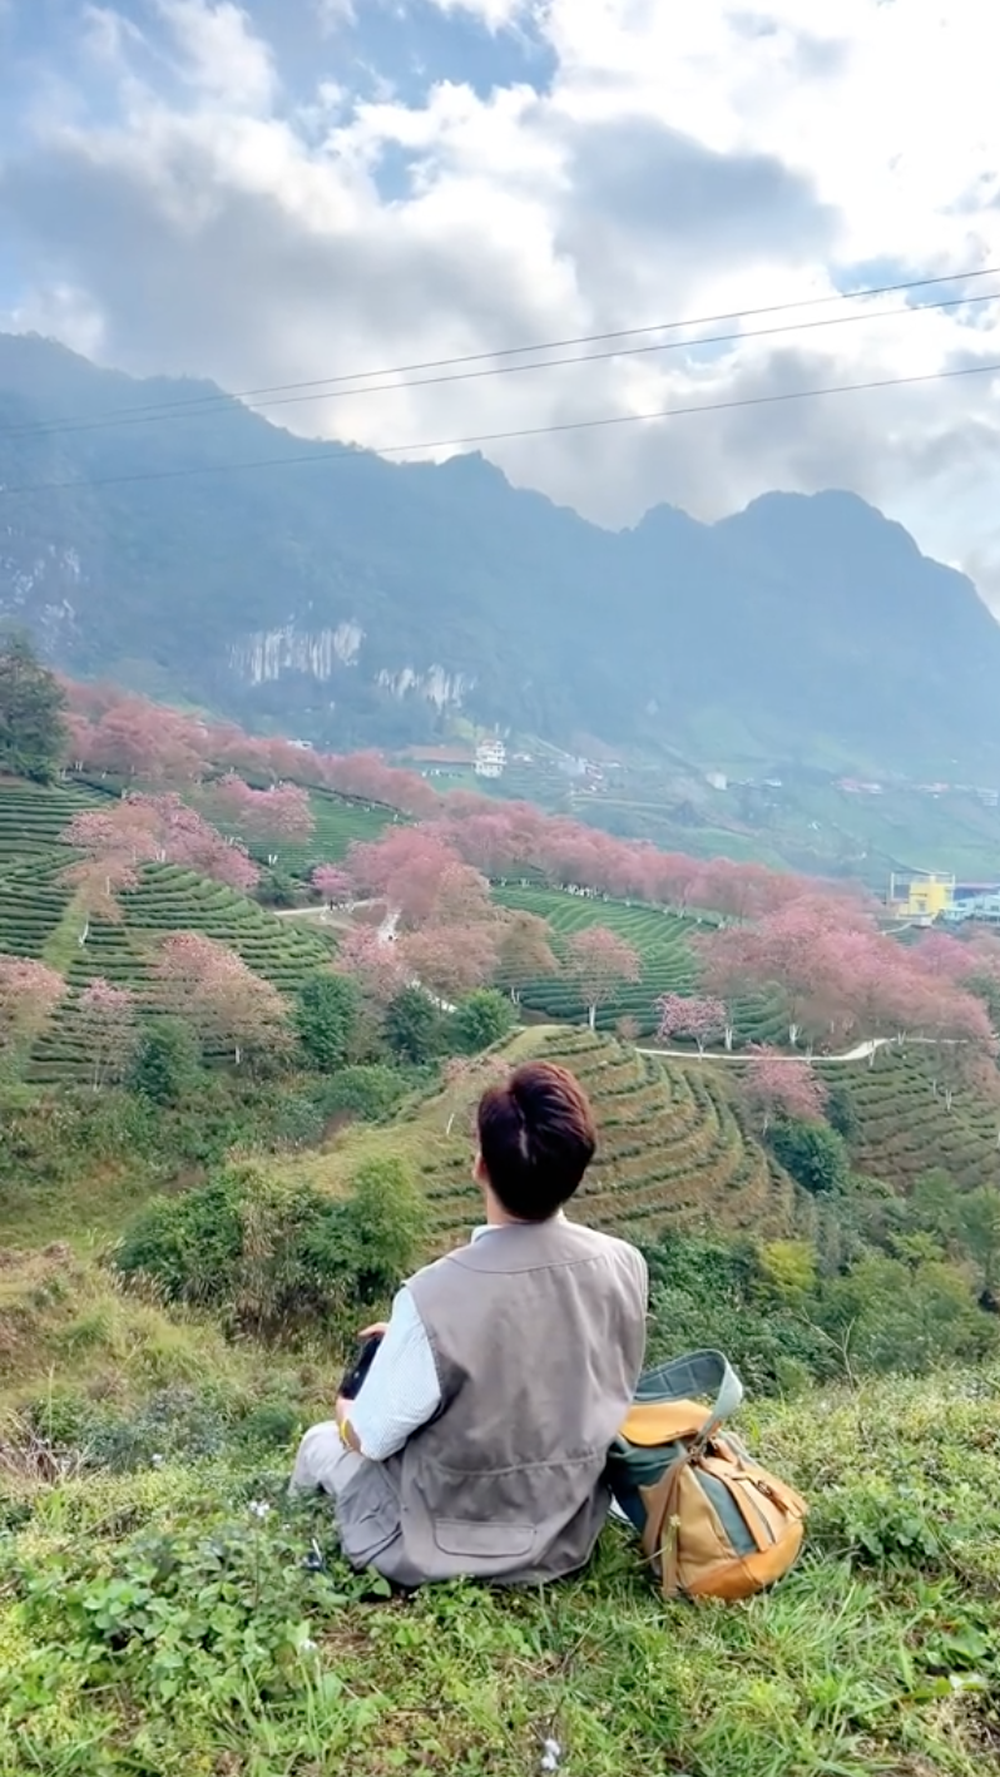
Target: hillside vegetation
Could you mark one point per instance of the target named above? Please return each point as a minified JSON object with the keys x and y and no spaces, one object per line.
{"x":672,"y":1152}
{"x":162,"y":1620}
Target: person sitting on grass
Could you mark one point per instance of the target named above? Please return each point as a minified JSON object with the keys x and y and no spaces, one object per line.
{"x":477,"y":1442}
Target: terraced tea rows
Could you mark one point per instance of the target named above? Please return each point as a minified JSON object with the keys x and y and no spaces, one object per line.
{"x":171,"y":899}
{"x":32,"y":818}
{"x":905,"y":1131}
{"x":671,"y":1150}
{"x":339,"y":821}
{"x":663,"y":941}
{"x":31,"y":906}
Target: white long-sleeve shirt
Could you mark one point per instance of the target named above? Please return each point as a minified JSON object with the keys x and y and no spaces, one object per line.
{"x":401,"y":1391}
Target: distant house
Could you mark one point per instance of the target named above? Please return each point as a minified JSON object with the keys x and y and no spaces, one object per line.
{"x":491,"y":758}
{"x":921,"y":896}
{"x":717,"y":780}
{"x":853,"y":786}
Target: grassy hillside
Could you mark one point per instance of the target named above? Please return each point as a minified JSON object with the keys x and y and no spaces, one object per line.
{"x":164,"y":1608}
{"x":32,"y":818}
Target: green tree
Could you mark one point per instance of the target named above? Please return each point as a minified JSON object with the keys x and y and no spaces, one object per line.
{"x":842,"y":1112}
{"x":167,"y":1062}
{"x":325,"y":1015}
{"x":814,"y":1154}
{"x":413,"y":1027}
{"x":32,"y":732}
{"x":887,"y":1314}
{"x":383,"y":1225}
{"x":482,"y":1018}
{"x":370,"y":1093}
{"x":933,"y":1203}
{"x":978,"y":1216}
{"x":278,"y":888}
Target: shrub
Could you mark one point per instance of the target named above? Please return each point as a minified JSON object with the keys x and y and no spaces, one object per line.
{"x":814,"y":1154}
{"x":279,"y":1260}
{"x":413,"y":1026}
{"x":167,"y":1062}
{"x":277,"y":888}
{"x":483,"y":1018}
{"x":887,"y":1314}
{"x":325,"y":1015}
{"x":383,"y":1225}
{"x":711,"y":1293}
{"x":370,"y":1093}
{"x":842,"y":1112}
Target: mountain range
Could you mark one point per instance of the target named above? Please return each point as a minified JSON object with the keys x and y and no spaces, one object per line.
{"x":165,"y":535}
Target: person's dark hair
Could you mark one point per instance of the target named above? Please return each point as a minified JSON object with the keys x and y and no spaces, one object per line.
{"x":537,"y":1138}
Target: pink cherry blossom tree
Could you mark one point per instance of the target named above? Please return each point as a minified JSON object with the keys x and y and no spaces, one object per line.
{"x":376,"y":964}
{"x":599,"y":963}
{"x":450,"y":960}
{"x":776,"y":1085}
{"x":281,"y":813}
{"x":29,"y":994}
{"x":144,"y":829}
{"x":700,"y":1020}
{"x":333,"y":884}
{"x":798,"y":951}
{"x":229,"y":1005}
{"x":106,"y":1020}
{"x":524,"y":952}
{"x":950,"y":959}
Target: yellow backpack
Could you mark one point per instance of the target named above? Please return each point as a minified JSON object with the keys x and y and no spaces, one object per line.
{"x":713,"y":1523}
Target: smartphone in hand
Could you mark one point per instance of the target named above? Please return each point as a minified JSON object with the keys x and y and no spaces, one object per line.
{"x":350,"y":1387}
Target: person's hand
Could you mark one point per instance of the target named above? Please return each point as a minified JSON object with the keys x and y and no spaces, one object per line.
{"x":342,"y":1409}
{"x":377,"y":1331}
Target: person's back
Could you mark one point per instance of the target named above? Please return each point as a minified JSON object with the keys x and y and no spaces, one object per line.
{"x":504,"y":1375}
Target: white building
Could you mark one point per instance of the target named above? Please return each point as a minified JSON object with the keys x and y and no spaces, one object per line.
{"x":491,"y":758}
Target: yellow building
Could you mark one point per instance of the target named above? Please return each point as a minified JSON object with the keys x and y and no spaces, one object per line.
{"x":921,"y":895}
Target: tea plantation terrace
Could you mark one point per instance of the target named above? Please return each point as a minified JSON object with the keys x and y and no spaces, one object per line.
{"x":663,"y":941}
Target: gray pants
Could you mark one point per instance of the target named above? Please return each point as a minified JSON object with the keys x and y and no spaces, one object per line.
{"x":365,"y":1502}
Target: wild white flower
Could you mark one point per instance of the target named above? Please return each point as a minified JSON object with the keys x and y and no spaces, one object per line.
{"x":259,"y":1508}
{"x":157,"y":1460}
{"x":551,"y":1755}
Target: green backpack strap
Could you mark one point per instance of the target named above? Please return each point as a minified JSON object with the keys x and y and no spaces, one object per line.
{"x":690,"y":1377}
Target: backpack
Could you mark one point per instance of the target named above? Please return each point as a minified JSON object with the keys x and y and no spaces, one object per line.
{"x":713,"y":1523}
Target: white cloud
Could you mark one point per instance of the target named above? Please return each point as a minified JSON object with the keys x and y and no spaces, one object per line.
{"x":494,"y":14}
{"x":222,"y":56}
{"x":685,"y":161}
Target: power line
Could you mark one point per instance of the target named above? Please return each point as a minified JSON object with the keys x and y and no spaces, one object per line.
{"x":333,"y":387}
{"x":332,"y":454}
{"x":44,"y":429}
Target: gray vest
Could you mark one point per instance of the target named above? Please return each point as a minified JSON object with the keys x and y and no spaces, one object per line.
{"x":538,"y":1335}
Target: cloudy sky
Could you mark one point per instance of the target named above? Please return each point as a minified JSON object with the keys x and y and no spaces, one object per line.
{"x":289,"y":190}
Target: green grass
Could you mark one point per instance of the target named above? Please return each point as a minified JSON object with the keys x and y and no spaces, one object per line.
{"x":151,"y":1622}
